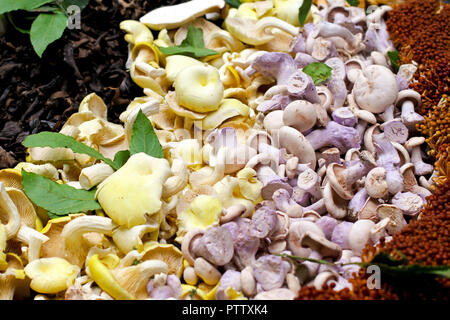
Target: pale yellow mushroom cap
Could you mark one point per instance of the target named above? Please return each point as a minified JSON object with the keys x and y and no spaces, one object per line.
{"x":203,"y":212}
{"x":199,"y":88}
{"x":51,"y":275}
{"x":134,"y":191}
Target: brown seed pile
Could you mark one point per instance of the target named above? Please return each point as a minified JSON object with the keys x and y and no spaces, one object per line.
{"x":419,"y":29}
{"x":360,"y":291}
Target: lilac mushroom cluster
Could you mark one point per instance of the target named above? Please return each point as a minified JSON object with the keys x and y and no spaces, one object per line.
{"x":339,"y":164}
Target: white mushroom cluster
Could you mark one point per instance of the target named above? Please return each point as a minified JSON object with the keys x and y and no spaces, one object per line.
{"x":262,"y":161}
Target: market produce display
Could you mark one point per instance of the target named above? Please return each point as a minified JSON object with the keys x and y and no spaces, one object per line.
{"x":276,"y":151}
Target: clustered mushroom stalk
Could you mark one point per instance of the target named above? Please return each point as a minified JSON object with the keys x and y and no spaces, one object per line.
{"x":260,"y":162}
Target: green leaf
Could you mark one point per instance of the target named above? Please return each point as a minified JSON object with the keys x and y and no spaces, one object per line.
{"x":47,"y":28}
{"x":395,"y":60}
{"x":353,"y":3}
{"x":59,"y":140}
{"x":121,"y":157}
{"x":144,"y":138}
{"x":233,"y":3}
{"x":52,"y":215}
{"x":59,"y":199}
{"x":385,"y":258}
{"x":303,"y":12}
{"x":11,"y":5}
{"x":193,"y":45}
{"x":318,"y":71}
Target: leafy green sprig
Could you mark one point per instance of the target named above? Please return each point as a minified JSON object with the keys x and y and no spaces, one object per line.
{"x":61,"y":199}
{"x":50,"y":23}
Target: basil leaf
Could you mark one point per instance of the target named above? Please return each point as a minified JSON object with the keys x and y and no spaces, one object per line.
{"x":193,"y":45}
{"x":233,"y":3}
{"x":303,"y":11}
{"x":45,"y":29}
{"x":353,"y":3}
{"x":11,"y":5}
{"x":395,"y":60}
{"x":121,"y":157}
{"x":144,"y":138}
{"x":59,"y":199}
{"x":59,"y":140}
{"x":318,"y":71}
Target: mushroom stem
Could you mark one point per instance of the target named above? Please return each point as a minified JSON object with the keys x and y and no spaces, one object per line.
{"x":94,"y":175}
{"x":409,"y":117}
{"x":420,"y":167}
{"x":34,"y":239}
{"x":13,"y":217}
{"x":271,"y":182}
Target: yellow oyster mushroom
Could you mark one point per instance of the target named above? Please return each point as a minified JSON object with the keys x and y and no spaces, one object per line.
{"x":227,"y":192}
{"x":51,"y":275}
{"x":172,"y":102}
{"x":249,"y":186}
{"x":93,"y":103}
{"x":203,"y":212}
{"x":287,"y":10}
{"x":198,"y":88}
{"x":167,"y":253}
{"x":256,"y":32}
{"x":188,"y":150}
{"x":134,"y":191}
{"x":131,"y":239}
{"x":139,"y":37}
{"x":106,"y":281}
{"x":9,"y":213}
{"x":12,"y":279}
{"x":176,"y":63}
{"x":228,"y":108}
{"x":11,"y":178}
{"x":3,"y":263}
{"x":46,"y":170}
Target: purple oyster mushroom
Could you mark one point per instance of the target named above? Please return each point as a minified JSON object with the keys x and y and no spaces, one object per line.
{"x":301,"y":85}
{"x":340,"y":234}
{"x":303,"y":59}
{"x":172,"y":289}
{"x":396,"y":131}
{"x":270,"y":271}
{"x":344,"y":116}
{"x":378,"y":39}
{"x":216,"y":246}
{"x":277,"y":65}
{"x":327,"y":224}
{"x":263,"y":223}
{"x":277,"y":102}
{"x":388,"y":158}
{"x":339,"y":91}
{"x":285,"y":204}
{"x":334,"y":135}
{"x":245,"y":245}
{"x":231,"y":279}
{"x":225,"y":137}
{"x":298,"y":44}
{"x":271,"y":182}
{"x":357,"y":202}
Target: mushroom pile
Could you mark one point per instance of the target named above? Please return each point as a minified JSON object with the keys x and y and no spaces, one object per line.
{"x":262,"y":162}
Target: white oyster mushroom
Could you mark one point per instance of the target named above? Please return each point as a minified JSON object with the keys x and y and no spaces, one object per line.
{"x":171,"y":17}
{"x":375,"y":89}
